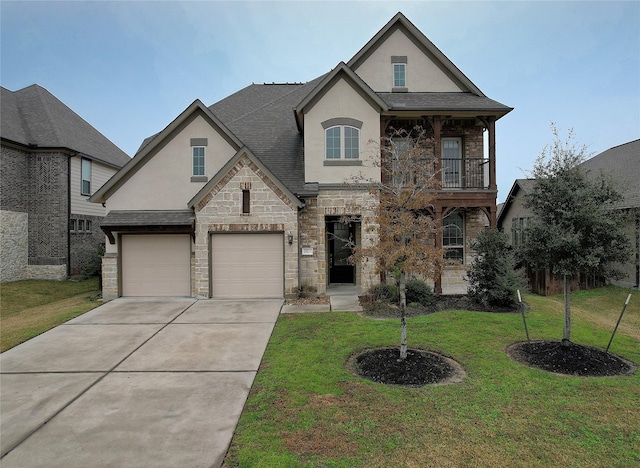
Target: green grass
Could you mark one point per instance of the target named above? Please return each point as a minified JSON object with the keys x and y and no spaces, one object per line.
{"x":306,"y":409}
{"x":29,"y":308}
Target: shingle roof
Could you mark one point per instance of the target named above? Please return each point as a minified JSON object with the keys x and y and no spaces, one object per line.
{"x":117,"y":218}
{"x":262,"y":117}
{"x":621,"y":162}
{"x":34,"y":116}
{"x":443,"y":102}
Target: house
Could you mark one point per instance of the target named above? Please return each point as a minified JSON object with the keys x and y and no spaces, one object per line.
{"x":244,"y":198}
{"x":622,"y":164}
{"x":51,"y":161}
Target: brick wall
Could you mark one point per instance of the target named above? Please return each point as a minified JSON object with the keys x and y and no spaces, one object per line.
{"x":86,"y":245}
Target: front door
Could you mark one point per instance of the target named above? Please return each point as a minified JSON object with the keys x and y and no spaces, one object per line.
{"x":340,"y":237}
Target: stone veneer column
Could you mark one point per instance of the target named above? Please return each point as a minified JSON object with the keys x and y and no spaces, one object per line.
{"x":109,"y":276}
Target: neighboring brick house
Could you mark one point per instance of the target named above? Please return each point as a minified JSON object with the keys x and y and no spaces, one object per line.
{"x":622,"y":164}
{"x":244,"y":198}
{"x":51,"y":161}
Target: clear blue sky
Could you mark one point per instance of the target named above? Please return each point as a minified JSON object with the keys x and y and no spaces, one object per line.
{"x":129,"y":68}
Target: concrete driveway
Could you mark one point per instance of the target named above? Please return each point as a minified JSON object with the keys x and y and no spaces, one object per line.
{"x":135,"y":382}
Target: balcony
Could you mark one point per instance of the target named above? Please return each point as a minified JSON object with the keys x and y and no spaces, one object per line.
{"x":464,"y":173}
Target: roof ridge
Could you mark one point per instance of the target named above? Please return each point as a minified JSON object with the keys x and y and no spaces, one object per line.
{"x":50,"y":120}
{"x":256,"y":109}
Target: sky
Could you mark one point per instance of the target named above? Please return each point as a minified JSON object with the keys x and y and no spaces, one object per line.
{"x":130,"y":68}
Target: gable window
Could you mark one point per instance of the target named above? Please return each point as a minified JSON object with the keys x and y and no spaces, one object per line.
{"x":399,"y":75}
{"x":451,"y":163}
{"x":85,"y":184}
{"x":342,"y":142}
{"x":198,"y":160}
{"x":246,"y":202}
{"x":453,"y":237}
{"x":399,"y":70}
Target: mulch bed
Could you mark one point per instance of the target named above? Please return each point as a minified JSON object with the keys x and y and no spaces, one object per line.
{"x":421,"y":367}
{"x":569,"y":359}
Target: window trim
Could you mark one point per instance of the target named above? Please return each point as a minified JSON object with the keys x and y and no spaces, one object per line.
{"x":193,"y":161}
{"x":398,"y":84}
{"x":342,"y":142}
{"x":457,"y":247}
{"x":84,"y":162}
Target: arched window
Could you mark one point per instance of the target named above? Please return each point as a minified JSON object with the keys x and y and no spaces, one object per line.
{"x":453,"y":237}
{"x":342,"y":142}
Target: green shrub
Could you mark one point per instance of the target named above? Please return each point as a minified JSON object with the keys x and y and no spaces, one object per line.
{"x":420,"y":292}
{"x":493,"y":276}
{"x":384,"y":292}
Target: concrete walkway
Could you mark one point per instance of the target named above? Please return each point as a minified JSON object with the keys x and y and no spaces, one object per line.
{"x":133,"y":383}
{"x":342,"y":298}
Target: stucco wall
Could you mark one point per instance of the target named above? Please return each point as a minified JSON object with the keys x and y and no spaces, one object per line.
{"x":165,"y":181}
{"x":341,"y":101}
{"x":422,"y":74}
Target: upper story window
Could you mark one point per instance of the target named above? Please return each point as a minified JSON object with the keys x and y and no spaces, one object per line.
{"x":519,"y":231}
{"x":342,"y":142}
{"x":85,"y":184}
{"x":451,"y":162}
{"x":342,"y":139}
{"x":198,"y":146}
{"x":399,"y":67}
{"x":198,"y":160}
{"x":399,"y":75}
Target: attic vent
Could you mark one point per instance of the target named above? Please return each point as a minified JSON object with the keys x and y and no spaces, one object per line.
{"x":245,"y":185}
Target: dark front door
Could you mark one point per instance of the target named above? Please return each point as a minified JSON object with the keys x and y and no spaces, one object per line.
{"x":340,"y":270}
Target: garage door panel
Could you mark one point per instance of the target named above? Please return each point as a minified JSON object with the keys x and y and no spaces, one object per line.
{"x":247,"y":265}
{"x":156,"y":265}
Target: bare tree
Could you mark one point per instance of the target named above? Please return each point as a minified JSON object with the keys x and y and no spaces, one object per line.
{"x":405,"y":227}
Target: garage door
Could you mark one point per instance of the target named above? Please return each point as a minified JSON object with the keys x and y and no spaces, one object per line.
{"x":247,"y":265}
{"x":156,"y":265}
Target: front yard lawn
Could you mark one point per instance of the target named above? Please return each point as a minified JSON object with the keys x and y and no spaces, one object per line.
{"x":29,"y":308}
{"x":306,"y":409}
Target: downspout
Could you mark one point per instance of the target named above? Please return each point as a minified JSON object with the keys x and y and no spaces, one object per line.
{"x":69,"y":213}
{"x":299,"y":253}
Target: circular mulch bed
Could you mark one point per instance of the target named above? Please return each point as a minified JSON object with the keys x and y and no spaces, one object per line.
{"x":383,"y":365}
{"x":569,"y":359}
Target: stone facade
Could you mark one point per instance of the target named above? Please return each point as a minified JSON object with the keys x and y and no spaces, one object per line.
{"x":332,"y":203}
{"x":109,"y":276}
{"x":221,"y":210}
{"x":14,"y":248}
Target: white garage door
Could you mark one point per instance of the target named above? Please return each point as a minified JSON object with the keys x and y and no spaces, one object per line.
{"x":247,"y":265}
{"x":156,"y":265}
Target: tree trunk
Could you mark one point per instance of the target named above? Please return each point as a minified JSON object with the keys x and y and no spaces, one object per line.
{"x":403,"y":318}
{"x":566,"y":335}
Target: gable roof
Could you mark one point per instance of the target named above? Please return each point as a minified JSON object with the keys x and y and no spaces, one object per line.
{"x":399,"y":21}
{"x":622,"y":163}
{"x":262,"y":117}
{"x":158,"y":141}
{"x":520,"y":185}
{"x":34,"y":117}
{"x":224,"y":171}
{"x":342,"y":71}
